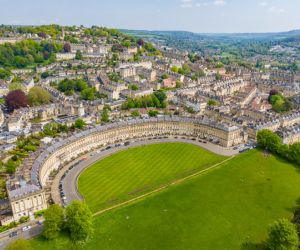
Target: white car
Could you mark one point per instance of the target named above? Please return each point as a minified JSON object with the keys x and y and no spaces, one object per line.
{"x":26,"y":228}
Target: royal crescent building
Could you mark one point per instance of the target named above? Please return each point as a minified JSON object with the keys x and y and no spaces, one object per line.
{"x":60,"y":153}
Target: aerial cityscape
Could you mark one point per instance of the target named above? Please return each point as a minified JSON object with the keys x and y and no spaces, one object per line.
{"x":150,"y":125}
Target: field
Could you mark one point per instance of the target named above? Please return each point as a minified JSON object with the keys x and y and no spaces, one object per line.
{"x":135,"y":171}
{"x":227,"y":208}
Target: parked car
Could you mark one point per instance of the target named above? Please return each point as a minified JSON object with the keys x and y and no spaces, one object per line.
{"x":39,"y":222}
{"x":13,"y":234}
{"x":26,"y":228}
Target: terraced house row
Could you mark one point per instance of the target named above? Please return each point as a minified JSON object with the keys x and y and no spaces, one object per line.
{"x":64,"y":151}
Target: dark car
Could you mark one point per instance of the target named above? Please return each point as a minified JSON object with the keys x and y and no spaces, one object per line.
{"x":13,"y":234}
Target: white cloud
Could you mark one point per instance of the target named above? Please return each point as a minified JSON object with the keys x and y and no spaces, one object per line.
{"x":219,"y":2}
{"x":263,"y":4}
{"x":194,"y":4}
{"x":201,"y":4}
{"x":276,"y":10}
{"x":186,"y":4}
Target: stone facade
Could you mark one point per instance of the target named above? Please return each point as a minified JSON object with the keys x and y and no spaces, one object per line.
{"x":26,"y":200}
{"x":59,"y":154}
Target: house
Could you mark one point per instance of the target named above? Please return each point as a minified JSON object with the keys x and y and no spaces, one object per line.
{"x":169,"y":83}
{"x":65,"y":56}
{"x":28,"y":84}
{"x":127,"y":72}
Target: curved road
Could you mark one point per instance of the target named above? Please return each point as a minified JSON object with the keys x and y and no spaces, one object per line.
{"x":69,"y":182}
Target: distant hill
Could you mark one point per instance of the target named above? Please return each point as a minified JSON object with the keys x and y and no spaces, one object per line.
{"x":294,"y":34}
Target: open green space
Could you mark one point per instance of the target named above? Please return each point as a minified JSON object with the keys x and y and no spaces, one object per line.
{"x":221,"y":209}
{"x":130,"y":173}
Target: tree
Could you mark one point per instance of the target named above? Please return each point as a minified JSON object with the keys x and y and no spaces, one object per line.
{"x":104,"y":115}
{"x":273,"y":92}
{"x":11,"y":166}
{"x":186,"y":69}
{"x":78,"y":55}
{"x":54,"y":219}
{"x":4,"y":73}
{"x":79,"y":221}
{"x":140,"y":42}
{"x":282,"y":236}
{"x":152,"y":113}
{"x":135,"y":113}
{"x":218,"y":76}
{"x":134,"y":87}
{"x":15,"y":86}
{"x":79,"y":123}
{"x":268,"y":140}
{"x":174,"y":69}
{"x":42,"y":35}
{"x":67,"y":48}
{"x":294,"y":67}
{"x":294,"y":152}
{"x":37,"y":96}
{"x":212,"y":102}
{"x":178,"y":84}
{"x":79,"y":85}
{"x":161,"y":96}
{"x":45,"y":74}
{"x":275,"y":98}
{"x":88,"y":94}
{"x":16,"y":99}
{"x":19,"y":244}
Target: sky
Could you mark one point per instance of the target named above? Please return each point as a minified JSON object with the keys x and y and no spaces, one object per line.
{"x":200,"y":16}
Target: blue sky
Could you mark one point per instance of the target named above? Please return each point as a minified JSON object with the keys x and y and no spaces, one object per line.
{"x":191,"y":15}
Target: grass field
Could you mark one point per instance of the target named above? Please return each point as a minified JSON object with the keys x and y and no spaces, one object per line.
{"x":221,"y":209}
{"x":135,"y":171}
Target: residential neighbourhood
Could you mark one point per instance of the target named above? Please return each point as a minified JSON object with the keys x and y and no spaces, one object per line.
{"x":72,"y":97}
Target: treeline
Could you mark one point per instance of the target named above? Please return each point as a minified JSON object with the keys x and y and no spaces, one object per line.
{"x":28,"y":53}
{"x":53,"y":30}
{"x":266,"y":139}
{"x":101,"y":31}
{"x":156,"y":100}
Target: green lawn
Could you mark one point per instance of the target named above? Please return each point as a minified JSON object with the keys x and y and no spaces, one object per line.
{"x":130,"y":173}
{"x":221,"y":209}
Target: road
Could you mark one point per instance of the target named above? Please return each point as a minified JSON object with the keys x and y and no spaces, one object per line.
{"x":69,"y":183}
{"x":35,"y":230}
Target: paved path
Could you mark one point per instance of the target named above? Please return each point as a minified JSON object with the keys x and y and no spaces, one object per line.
{"x":69,"y":183}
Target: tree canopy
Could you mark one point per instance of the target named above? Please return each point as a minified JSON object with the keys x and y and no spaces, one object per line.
{"x":16,"y":99}
{"x":283,"y":236}
{"x":54,"y":219}
{"x":37,"y":96}
{"x":79,"y":123}
{"x":69,"y":86}
{"x":79,"y":221}
{"x":28,"y":53}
